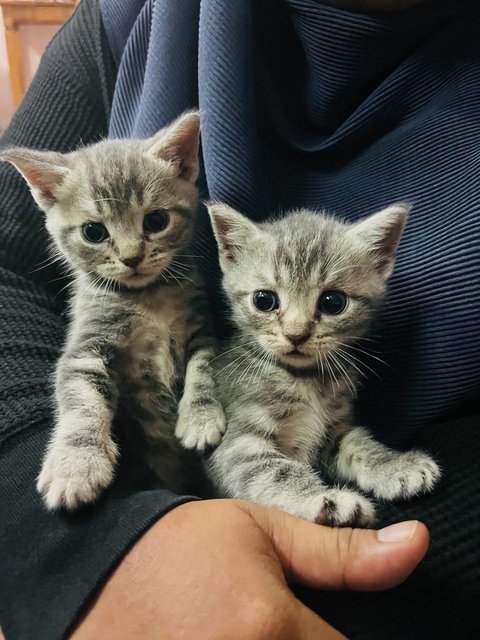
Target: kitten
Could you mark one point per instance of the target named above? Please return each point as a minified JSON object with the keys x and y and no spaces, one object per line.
{"x":303,"y":290}
{"x":121,"y":214}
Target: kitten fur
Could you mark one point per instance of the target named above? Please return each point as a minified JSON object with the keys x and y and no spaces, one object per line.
{"x":288,"y":377}
{"x":139,"y":331}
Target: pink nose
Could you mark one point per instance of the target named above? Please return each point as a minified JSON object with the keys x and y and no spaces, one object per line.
{"x":133,"y":261}
{"x":297,"y":338}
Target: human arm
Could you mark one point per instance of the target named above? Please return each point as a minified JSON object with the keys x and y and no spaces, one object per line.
{"x":230,"y":579}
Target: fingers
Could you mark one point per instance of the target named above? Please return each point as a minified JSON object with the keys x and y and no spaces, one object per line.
{"x":328,"y":558}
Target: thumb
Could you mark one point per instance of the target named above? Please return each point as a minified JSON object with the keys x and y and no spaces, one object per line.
{"x":328,"y":558}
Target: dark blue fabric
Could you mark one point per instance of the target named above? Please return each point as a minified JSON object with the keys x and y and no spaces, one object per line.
{"x":304,"y":104}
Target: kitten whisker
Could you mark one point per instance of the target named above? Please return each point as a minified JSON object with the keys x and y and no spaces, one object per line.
{"x":242,"y":360}
{"x":240,"y":346}
{"x":170,"y":274}
{"x":66,"y":275}
{"x":241,"y":357}
{"x":366,"y":353}
{"x":267,"y":364}
{"x":250,"y":366}
{"x":361,"y":338}
{"x":94,"y":289}
{"x":331,"y":371}
{"x":264,"y":359}
{"x":350,"y":357}
{"x":320,"y":364}
{"x":183,"y":265}
{"x":50,"y":261}
{"x":253,"y":353}
{"x":346,"y":358}
{"x":341,"y":366}
{"x":186,"y":255}
{"x":69,"y":284}
{"x":174,"y":269}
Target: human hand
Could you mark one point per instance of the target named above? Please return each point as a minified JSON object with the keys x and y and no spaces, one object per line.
{"x":219,"y":570}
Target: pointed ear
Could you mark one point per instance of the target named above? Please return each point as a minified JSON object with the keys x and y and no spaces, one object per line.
{"x":232,"y":230}
{"x":178,"y":143}
{"x":44,"y":172}
{"x":380,"y":233}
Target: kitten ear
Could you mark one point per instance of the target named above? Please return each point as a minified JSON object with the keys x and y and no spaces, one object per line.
{"x":381,"y":233}
{"x":232,"y":231}
{"x":178,"y":143}
{"x":44,"y":172}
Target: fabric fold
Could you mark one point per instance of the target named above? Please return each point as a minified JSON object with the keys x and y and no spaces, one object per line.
{"x":307,"y":105}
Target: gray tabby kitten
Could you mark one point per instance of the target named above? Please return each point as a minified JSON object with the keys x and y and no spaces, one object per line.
{"x":303,"y":291}
{"x":121,"y":214}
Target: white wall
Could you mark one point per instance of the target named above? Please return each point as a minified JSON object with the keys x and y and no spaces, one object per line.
{"x":34,"y":39}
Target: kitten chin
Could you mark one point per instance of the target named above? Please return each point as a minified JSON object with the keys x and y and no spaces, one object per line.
{"x":137,"y":281}
{"x":298,"y":360}
{"x":305,"y":371}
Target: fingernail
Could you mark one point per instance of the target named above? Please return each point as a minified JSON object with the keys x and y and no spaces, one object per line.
{"x":400,"y":532}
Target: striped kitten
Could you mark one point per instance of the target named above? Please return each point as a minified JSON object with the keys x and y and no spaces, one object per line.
{"x":303,"y":290}
{"x":121,"y":214}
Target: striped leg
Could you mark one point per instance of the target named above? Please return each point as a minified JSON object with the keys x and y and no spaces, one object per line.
{"x":81,"y":455}
{"x":384,"y":472}
{"x":251,"y":467}
{"x":201,"y":419}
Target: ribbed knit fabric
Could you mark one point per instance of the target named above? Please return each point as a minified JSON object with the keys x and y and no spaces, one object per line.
{"x":51,"y":565}
{"x":308,"y":105}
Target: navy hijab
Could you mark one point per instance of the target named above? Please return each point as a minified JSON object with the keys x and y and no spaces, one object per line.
{"x":308,"y":105}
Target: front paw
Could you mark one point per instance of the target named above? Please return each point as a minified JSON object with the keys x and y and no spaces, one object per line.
{"x":75,"y":475}
{"x":340,"y":508}
{"x":407,"y":475}
{"x":201,"y":424}
{"x":344,"y":508}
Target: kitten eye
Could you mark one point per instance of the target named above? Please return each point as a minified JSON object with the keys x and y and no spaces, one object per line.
{"x":95,"y":232}
{"x":156,"y":221}
{"x":265,"y":301}
{"x":332,"y":302}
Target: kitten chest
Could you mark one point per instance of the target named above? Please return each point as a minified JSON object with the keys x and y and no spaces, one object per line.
{"x":158,"y":337}
{"x":304,"y":428}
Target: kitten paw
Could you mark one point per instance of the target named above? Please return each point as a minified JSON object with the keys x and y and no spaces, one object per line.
{"x":72,"y":476}
{"x":407,"y":475}
{"x":340,"y":508}
{"x":343,"y":508}
{"x":201,"y":425}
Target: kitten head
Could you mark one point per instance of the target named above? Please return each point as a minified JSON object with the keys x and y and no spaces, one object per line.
{"x":302,"y":286}
{"x":119,"y":210}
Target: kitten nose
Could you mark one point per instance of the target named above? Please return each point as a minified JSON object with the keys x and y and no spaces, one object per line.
{"x":133,"y":261}
{"x":297,"y":338}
